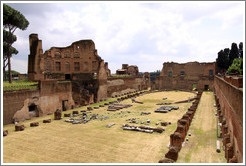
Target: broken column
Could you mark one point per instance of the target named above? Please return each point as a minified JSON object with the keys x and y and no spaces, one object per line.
{"x":172,"y":153}
{"x":181,"y":129}
{"x":184,"y":123}
{"x":176,"y":140}
{"x":58,"y":114}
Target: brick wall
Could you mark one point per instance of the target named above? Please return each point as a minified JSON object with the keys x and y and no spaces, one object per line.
{"x":14,"y":101}
{"x":231,"y":103}
{"x":118,"y":85}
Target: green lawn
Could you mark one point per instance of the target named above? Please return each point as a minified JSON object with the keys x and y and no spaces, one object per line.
{"x":19,"y":84}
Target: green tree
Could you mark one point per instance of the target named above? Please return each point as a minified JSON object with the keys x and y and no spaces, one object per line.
{"x":5,"y":50}
{"x":240,"y":49}
{"x":12,"y":19}
{"x":223,"y":60}
{"x":233,"y":53}
{"x":236,"y":67}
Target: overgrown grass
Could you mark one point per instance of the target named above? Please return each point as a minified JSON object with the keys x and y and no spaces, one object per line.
{"x":19,"y":85}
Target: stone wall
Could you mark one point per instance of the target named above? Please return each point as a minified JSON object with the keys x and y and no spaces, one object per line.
{"x":118,"y":86}
{"x":14,"y":101}
{"x":51,"y":95}
{"x":230,"y":100}
{"x":184,"y":76}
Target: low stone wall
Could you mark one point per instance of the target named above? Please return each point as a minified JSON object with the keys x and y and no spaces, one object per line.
{"x":50,"y":97}
{"x":119,"y":86}
{"x":178,"y":137}
{"x":229,"y":100}
{"x":14,"y":101}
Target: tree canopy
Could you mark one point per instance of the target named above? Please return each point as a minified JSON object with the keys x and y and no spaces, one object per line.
{"x":12,"y":19}
{"x":225,"y":57}
{"x":236,"y":67}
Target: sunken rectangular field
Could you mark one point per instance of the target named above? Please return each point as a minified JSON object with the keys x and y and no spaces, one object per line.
{"x":93,"y":142}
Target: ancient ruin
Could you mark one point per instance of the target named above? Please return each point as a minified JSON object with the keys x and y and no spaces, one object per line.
{"x":77,"y":61}
{"x":186,"y":76}
{"x":75,"y":76}
{"x":128,"y":70}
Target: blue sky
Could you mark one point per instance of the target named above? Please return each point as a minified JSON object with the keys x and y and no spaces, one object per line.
{"x":145,"y":34}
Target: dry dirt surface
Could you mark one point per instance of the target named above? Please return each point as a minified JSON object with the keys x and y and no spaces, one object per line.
{"x":93,"y":142}
{"x":201,"y":147}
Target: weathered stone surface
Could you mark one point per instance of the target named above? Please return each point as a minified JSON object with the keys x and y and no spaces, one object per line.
{"x":34,"y":124}
{"x":5,"y":132}
{"x":164,"y":123}
{"x":19,"y":127}
{"x":233,"y":160}
{"x":172,"y":153}
{"x":229,"y":151}
{"x":47,"y":121}
{"x":176,"y":140}
{"x":58,"y":114}
{"x":89,"y":108}
{"x":146,"y":129}
{"x":166,"y":160}
{"x":67,"y":115}
{"x":75,"y":112}
{"x":110,"y":125}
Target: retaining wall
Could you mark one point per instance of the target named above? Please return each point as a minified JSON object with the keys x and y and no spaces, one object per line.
{"x":231,"y":104}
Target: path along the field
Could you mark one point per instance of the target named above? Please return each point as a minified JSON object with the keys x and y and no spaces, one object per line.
{"x":201,"y":147}
{"x":61,"y":142}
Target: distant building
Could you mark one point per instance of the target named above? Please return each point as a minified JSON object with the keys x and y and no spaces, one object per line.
{"x":187,"y":76}
{"x":128,"y":70}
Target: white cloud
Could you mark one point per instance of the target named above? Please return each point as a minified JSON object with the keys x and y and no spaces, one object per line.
{"x":140,"y":33}
{"x":19,"y":65}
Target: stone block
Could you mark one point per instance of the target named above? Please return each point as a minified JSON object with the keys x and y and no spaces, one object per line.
{"x":67,"y":115}
{"x":166,"y":160}
{"x":47,"y":121}
{"x":176,"y":140}
{"x":5,"y":132}
{"x":57,"y":114}
{"x":89,"y":108}
{"x":172,"y":153}
{"x":164,"y":123}
{"x":34,"y":124}
{"x":75,"y":112}
{"x":19,"y":127}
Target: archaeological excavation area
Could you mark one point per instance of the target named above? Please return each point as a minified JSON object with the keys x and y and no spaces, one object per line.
{"x":137,"y":127}
{"x":76,"y":111}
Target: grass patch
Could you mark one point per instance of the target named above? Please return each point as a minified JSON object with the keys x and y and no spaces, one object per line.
{"x":19,"y":85}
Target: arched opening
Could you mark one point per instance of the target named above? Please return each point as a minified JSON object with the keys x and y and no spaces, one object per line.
{"x":33,"y":110}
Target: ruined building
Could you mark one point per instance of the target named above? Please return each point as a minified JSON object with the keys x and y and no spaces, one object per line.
{"x":128,"y":70}
{"x":187,"y":76}
{"x":77,"y":61}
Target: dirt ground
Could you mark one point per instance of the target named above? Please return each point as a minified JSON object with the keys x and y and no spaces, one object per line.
{"x":201,"y":147}
{"x":62,"y":142}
